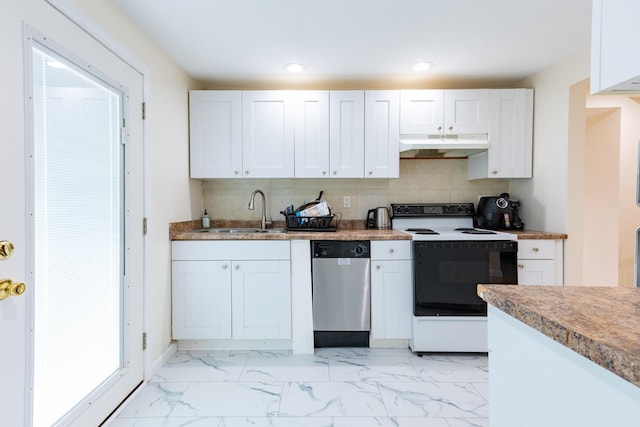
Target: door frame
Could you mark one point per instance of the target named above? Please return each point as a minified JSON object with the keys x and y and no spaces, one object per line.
{"x":75,"y":15}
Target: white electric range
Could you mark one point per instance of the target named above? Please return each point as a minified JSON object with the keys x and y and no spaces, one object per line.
{"x":450,"y":258}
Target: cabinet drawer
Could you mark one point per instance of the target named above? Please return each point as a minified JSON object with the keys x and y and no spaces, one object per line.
{"x":536,"y":249}
{"x":391,"y":249}
{"x":230,"y":249}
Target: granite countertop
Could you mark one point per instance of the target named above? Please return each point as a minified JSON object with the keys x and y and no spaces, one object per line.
{"x":599,"y":323}
{"x":347,"y":230}
{"x":537,"y":235}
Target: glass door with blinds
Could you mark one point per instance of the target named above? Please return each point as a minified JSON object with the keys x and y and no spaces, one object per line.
{"x":78,"y":227}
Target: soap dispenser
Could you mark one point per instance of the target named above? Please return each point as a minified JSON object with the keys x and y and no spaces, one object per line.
{"x":206,"y":222}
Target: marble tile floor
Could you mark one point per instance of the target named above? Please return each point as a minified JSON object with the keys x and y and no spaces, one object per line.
{"x":339,"y":387}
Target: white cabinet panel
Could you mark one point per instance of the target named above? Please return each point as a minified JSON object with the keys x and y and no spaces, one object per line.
{"x":540,"y":262}
{"x":536,"y":272}
{"x":215,"y":134}
{"x":510,"y":153}
{"x":615,"y":62}
{"x":466,"y":111}
{"x":201,"y":299}
{"x":391,"y":299}
{"x":267,"y":134}
{"x":346,"y":134}
{"x":391,"y":290}
{"x":421,"y":112}
{"x":443,"y":112}
{"x":224,"y":298}
{"x":382,"y":134}
{"x":261,"y":299}
{"x":312,"y":134}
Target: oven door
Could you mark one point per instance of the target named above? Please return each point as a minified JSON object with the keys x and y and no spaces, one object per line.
{"x":446,"y":275}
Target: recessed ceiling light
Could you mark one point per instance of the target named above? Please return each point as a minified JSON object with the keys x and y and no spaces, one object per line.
{"x":295,"y":68}
{"x":422,"y":66}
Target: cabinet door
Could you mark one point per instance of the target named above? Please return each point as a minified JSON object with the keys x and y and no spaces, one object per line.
{"x":267,"y":134}
{"x":312,"y":134}
{"x":201,"y":299}
{"x":615,"y":63}
{"x":261,"y":299}
{"x":536,"y":272}
{"x":391,"y":299}
{"x":466,"y":111}
{"x":382,"y":134}
{"x":346,"y":134}
{"x":510,"y":152}
{"x":511,"y":133}
{"x":421,"y":112}
{"x":215,"y":134}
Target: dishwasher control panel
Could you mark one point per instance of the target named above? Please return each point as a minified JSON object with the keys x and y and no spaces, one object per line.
{"x":340,"y":249}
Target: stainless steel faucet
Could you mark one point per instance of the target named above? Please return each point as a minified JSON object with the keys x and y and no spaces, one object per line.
{"x":263,"y":223}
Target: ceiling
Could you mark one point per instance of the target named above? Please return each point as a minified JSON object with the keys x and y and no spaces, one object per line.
{"x":363,"y":43}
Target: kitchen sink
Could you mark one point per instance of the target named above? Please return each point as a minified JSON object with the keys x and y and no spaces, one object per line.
{"x":242,"y":230}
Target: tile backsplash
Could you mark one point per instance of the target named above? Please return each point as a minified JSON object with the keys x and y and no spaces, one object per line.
{"x":423,"y":180}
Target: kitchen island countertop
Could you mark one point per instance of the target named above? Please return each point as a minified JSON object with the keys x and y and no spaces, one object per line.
{"x":599,"y":323}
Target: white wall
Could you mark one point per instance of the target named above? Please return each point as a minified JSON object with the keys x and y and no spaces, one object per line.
{"x":544,"y":197}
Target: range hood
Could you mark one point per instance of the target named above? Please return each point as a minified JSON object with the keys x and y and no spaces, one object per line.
{"x":442,"y":146}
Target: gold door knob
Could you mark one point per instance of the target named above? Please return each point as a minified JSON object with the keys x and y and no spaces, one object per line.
{"x":9,"y":288}
{"x":6,"y":249}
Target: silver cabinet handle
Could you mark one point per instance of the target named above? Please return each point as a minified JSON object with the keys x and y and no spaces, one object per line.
{"x":378,"y":267}
{"x":391,"y":250}
{"x":535,"y":249}
{"x":225,"y":266}
{"x":236,"y":267}
{"x":520,"y":266}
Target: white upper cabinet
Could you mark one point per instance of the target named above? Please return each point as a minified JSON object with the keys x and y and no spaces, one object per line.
{"x":215,"y":125}
{"x":382,"y":119}
{"x":346,"y":134}
{"x":510,"y":137}
{"x":615,"y":52}
{"x":444,"y":112}
{"x":268,"y":134}
{"x":312,"y":134}
{"x":421,"y":112}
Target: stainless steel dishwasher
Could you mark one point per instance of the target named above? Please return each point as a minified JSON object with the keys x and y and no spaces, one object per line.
{"x":341,"y":293}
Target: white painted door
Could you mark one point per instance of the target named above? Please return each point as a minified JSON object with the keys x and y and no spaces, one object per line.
{"x":312,"y":134}
{"x":215,"y":133}
{"x":261,"y":295}
{"x":346,"y":133}
{"x":201,"y":299}
{"x":382,"y":134}
{"x":267,"y":134}
{"x":79,"y":52}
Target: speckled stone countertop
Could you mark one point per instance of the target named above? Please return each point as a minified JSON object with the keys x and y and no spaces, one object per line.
{"x":599,"y":323}
{"x":537,"y":235}
{"x":347,"y":230}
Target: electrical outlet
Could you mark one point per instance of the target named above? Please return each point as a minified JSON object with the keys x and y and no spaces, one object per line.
{"x":346,"y":202}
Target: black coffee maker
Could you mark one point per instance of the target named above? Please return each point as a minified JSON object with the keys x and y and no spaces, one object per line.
{"x":498,"y":213}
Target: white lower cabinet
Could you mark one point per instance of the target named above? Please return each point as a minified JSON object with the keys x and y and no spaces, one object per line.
{"x":231,"y":290}
{"x":391,"y":290}
{"x":261,"y":299}
{"x":540,"y":262}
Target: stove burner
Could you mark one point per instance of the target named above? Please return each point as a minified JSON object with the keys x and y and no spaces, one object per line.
{"x":475,"y":231}
{"x":422,"y":231}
